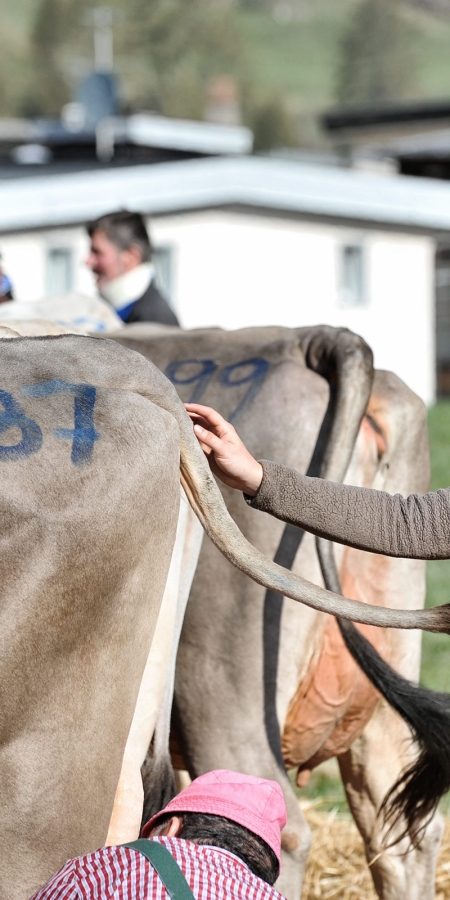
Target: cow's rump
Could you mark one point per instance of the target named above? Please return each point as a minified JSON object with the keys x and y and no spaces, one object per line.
{"x":89,"y":496}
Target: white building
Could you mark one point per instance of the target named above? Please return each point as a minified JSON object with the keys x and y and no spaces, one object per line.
{"x":252,"y":241}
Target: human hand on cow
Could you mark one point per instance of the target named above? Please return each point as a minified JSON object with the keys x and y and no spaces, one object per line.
{"x":228,"y":457}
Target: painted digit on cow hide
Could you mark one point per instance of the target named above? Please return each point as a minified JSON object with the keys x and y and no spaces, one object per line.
{"x":200,"y":378}
{"x":84,"y":434}
{"x":254,"y":378}
{"x":13,"y":416}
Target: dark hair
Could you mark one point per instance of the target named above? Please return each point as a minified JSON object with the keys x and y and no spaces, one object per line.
{"x":124,"y":229}
{"x":217,"y":831}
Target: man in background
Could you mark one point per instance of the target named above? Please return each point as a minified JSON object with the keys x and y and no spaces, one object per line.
{"x":121,"y":259}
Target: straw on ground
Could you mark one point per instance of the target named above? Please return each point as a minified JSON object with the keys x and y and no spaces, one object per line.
{"x":337,"y":867}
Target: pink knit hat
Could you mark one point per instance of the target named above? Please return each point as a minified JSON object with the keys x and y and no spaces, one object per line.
{"x":255,"y":803}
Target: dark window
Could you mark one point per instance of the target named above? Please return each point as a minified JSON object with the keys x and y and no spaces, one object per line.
{"x":59,"y":274}
{"x":352,"y":290}
{"x":443,"y":321}
{"x":163,"y":261}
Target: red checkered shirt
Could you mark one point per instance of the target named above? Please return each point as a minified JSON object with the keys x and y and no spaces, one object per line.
{"x":117,"y":873}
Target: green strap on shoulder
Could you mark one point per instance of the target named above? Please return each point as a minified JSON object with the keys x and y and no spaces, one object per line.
{"x":166,"y":867}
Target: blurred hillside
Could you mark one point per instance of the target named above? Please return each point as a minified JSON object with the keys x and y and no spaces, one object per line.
{"x":287,"y":59}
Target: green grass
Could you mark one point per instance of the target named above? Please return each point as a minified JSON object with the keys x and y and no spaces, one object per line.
{"x":439,"y":432}
{"x":300,"y":59}
{"x":16,"y":19}
{"x":432,"y":47}
{"x":436,"y":647}
{"x":324,"y":789}
{"x":435,"y":672}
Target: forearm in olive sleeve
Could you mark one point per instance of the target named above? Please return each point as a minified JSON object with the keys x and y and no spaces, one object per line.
{"x":417,"y":526}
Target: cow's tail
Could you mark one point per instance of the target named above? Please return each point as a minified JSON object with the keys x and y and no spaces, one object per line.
{"x":345,"y":361}
{"x":414,"y":796}
{"x":158,"y":779}
{"x":413,"y":799}
{"x":207,"y":502}
{"x":158,"y":776}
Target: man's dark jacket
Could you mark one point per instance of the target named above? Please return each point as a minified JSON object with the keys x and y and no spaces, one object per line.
{"x":152,"y":307}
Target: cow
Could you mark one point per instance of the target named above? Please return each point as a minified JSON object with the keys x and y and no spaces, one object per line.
{"x":94,"y":444}
{"x":262,"y":683}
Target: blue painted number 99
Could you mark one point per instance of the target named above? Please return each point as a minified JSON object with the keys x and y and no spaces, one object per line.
{"x":199,"y":372}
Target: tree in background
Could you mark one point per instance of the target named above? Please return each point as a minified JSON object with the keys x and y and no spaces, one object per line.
{"x":441,"y":7}
{"x":185,"y":43}
{"x":171,"y":57}
{"x":377,"y":55}
{"x":166,"y":51}
{"x":272,"y":125}
{"x":49,"y":89}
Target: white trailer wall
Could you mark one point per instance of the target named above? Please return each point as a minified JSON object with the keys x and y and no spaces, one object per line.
{"x":236,"y":269}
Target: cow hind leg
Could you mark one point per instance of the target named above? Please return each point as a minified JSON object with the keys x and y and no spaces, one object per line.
{"x":420,"y":785}
{"x":368,"y":769}
{"x":295,"y":844}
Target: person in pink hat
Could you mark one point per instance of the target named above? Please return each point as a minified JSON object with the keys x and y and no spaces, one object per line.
{"x":220,"y":837}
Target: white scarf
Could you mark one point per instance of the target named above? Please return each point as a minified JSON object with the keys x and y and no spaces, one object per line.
{"x":129,"y":287}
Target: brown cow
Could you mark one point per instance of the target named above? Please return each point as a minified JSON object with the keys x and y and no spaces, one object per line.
{"x":255,"y":674}
{"x":93,"y":442}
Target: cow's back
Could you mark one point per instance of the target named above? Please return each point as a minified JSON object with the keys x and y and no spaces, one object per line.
{"x":257,"y":377}
{"x":252,"y":667}
{"x":89,"y":495}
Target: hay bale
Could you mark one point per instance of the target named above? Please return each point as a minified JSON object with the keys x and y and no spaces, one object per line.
{"x":337,"y":867}
{"x":443,"y":866}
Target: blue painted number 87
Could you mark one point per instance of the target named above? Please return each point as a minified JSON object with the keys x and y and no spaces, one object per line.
{"x":83,"y":435}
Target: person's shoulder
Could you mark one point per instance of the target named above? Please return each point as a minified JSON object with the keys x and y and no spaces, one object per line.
{"x":108,"y":868}
{"x":201,"y":863}
{"x":60,"y":884}
{"x":153,"y":307}
{"x":154,"y":296}
{"x":107,"y":859}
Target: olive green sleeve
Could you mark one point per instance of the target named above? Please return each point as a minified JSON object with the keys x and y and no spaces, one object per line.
{"x":417,"y":526}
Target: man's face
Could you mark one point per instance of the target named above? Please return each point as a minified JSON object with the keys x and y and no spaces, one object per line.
{"x":108,"y":261}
